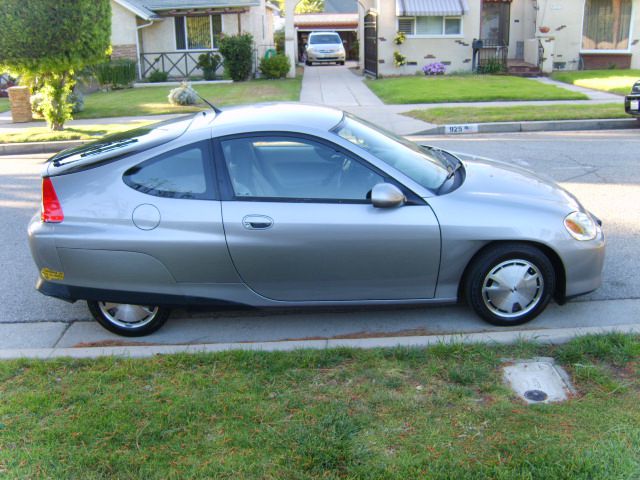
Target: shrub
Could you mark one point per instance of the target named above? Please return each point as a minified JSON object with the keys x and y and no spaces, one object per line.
{"x":158,"y":76}
{"x":435,"y":68}
{"x":237,"y":51}
{"x":209,"y":63}
{"x":275,"y":67}
{"x":493,"y":65}
{"x":116,"y":73}
{"x":183,"y":95}
{"x":278,"y":38}
{"x":75,"y":99}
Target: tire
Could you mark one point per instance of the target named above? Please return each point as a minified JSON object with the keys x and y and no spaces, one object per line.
{"x":308,"y":63}
{"x":112,"y":317}
{"x":493,"y":278}
{"x":340,"y":63}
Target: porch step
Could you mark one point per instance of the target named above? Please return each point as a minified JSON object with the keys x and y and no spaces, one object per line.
{"x":522,"y":69}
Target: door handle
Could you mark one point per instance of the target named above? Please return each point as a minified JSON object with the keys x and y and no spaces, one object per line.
{"x":257,"y":222}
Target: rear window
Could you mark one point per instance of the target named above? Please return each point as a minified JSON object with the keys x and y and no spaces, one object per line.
{"x":327,"y":38}
{"x":113,"y":146}
{"x":181,"y":173}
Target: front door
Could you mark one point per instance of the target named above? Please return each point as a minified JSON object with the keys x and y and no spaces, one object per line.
{"x":300,"y":228}
{"x":494,"y":23}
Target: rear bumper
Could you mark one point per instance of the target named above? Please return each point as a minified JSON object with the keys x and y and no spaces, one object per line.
{"x":70,"y":294}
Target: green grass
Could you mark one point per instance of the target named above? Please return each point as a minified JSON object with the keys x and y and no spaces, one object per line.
{"x":613,"y":81}
{"x":153,"y":100}
{"x":437,"y":413}
{"x":80,"y":132}
{"x":466,"y":88}
{"x":453,"y":115}
{"x":4,"y":104}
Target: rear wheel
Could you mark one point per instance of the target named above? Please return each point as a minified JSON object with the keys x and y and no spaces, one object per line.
{"x":510,"y":284}
{"x":129,"y":320}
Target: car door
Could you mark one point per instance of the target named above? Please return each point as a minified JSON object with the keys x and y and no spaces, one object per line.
{"x":299,"y":225}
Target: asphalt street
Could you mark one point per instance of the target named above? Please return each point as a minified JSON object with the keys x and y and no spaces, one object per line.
{"x":602,"y":168}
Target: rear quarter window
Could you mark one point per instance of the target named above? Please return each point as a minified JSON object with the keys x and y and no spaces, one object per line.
{"x":182,"y":173}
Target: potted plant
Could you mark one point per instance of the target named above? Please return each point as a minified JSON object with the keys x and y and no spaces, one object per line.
{"x":209,"y":63}
{"x":399,"y":38}
{"x":544,"y":29}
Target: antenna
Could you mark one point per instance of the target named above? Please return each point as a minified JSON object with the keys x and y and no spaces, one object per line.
{"x":213,"y":107}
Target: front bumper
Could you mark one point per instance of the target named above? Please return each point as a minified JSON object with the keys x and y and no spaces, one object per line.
{"x":326,"y":57}
{"x":583,"y":263}
{"x":632,"y":104}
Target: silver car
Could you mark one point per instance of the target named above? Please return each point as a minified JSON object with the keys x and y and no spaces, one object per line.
{"x":296,"y":205}
{"x":325,"y":47}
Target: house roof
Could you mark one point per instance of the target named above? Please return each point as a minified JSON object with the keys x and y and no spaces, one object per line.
{"x":136,"y":7}
{"x":147,"y":9}
{"x":325,"y":20}
{"x":430,"y":8}
{"x":184,"y":4}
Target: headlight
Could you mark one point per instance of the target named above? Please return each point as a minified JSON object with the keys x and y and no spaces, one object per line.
{"x":580,"y":226}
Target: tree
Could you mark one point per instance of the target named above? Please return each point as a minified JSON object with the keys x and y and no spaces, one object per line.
{"x":310,"y":6}
{"x":50,"y":40}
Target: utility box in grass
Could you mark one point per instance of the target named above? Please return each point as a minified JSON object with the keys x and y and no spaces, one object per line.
{"x":19,"y":99}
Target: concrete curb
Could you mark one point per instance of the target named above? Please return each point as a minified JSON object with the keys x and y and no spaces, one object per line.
{"x":543,"y":336}
{"x":541,"y":126}
{"x":38,"y":147}
{"x":498,"y":127}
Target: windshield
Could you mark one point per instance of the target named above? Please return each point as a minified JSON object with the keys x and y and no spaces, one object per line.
{"x":419,"y":165}
{"x":324,"y":39}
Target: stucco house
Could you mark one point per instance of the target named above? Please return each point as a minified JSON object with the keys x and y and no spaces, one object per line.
{"x":545,"y":34}
{"x":169,"y":35}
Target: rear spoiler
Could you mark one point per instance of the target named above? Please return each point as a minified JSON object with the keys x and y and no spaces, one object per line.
{"x":113,"y":147}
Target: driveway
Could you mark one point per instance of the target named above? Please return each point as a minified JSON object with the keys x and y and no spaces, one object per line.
{"x":600,"y":167}
{"x":343,"y":86}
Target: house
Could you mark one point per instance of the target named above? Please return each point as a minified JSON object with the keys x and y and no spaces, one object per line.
{"x":526,"y":35}
{"x":169,"y":35}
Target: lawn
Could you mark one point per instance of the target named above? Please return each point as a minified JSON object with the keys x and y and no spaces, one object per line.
{"x":466,"y":88}
{"x":457,"y":115}
{"x":614,"y":81}
{"x":437,"y":413}
{"x":153,"y":100}
{"x":80,"y":132}
{"x":4,"y":104}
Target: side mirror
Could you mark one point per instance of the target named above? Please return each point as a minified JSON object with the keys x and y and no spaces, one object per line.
{"x":386,"y":195}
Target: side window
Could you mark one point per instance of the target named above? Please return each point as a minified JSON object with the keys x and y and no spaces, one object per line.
{"x":296,"y":168}
{"x":181,"y":173}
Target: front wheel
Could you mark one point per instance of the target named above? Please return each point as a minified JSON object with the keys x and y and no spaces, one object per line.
{"x":510,"y":284}
{"x":129,"y":320}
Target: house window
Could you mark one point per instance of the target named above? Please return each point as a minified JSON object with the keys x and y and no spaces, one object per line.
{"x":606,"y":25}
{"x":197,"y":33}
{"x":430,"y":26}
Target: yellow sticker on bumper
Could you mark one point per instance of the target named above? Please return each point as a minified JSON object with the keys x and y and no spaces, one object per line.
{"x":49,"y":274}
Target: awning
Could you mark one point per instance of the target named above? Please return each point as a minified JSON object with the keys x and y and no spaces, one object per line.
{"x":431,"y":8}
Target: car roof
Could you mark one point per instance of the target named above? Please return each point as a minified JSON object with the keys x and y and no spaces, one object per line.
{"x":277,"y":116}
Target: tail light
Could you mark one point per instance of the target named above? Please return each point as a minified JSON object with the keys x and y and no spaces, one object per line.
{"x":51,"y":208}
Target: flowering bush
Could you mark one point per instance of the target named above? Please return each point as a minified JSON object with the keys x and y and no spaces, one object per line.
{"x":435,"y":68}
